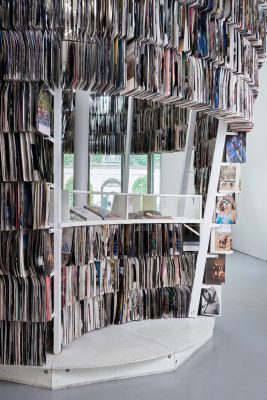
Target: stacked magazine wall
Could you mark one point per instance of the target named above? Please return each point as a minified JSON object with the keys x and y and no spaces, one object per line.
{"x":26,"y":265}
{"x":191,"y":55}
{"x":169,"y":51}
{"x":120,"y":273}
{"x":157,"y":128}
{"x":26,"y":175}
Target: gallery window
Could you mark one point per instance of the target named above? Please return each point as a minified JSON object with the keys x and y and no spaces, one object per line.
{"x":106,"y":171}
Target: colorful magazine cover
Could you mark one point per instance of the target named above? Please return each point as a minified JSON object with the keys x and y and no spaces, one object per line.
{"x":229,"y":178}
{"x":44,"y":113}
{"x":221,"y":240}
{"x":215,"y":270}
{"x":225,"y":212}
{"x":235,"y":148}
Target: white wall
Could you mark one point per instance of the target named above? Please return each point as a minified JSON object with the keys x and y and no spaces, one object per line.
{"x":250,"y":234}
{"x":171,"y":173}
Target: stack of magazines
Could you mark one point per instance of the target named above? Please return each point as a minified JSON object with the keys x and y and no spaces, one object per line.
{"x":82,"y":245}
{"x":204,"y":141}
{"x":156,"y":127}
{"x":29,"y":64}
{"x":168,"y":51}
{"x":115,"y":274}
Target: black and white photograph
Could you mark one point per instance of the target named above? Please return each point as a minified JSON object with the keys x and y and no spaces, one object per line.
{"x":210,"y":303}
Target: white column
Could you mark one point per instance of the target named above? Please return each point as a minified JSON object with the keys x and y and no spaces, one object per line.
{"x":57,"y":217}
{"x":181,"y":211}
{"x":81,"y":140}
{"x":180,"y":164}
{"x":127,"y":155}
{"x":207,"y":221}
{"x":188,"y":151}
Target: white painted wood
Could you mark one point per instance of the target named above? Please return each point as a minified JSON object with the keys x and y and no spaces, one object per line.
{"x":127,"y":155}
{"x":77,"y":377}
{"x":118,"y":352}
{"x":57,"y":217}
{"x":207,"y":221}
{"x":191,"y":246}
{"x":34,"y":376}
{"x":81,"y":141}
{"x":193,"y":196}
{"x":131,"y":221}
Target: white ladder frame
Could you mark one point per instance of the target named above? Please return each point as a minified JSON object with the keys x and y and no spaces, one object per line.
{"x":209,"y":206}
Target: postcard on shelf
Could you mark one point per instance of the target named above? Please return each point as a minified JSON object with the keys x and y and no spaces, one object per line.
{"x":230,"y":179}
{"x":221,"y":240}
{"x":102,"y":212}
{"x":119,"y":206}
{"x":225,"y":211}
{"x":210,"y":301}
{"x":215,"y":270}
{"x":235,"y":148}
{"x":44,"y":112}
{"x":84,"y":214}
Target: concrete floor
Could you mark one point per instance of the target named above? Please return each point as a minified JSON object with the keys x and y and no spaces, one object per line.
{"x":232,"y":366}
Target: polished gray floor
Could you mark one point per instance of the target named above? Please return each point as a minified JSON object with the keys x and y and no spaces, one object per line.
{"x":232,"y":366}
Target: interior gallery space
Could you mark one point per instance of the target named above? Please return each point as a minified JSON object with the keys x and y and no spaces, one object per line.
{"x":133,"y":246}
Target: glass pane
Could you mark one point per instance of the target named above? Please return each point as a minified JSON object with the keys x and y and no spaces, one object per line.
{"x":138,"y":174}
{"x":105,"y":176}
{"x":68,"y":174}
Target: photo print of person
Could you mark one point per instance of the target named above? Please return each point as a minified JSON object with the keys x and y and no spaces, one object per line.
{"x":221,"y":240}
{"x":235,"y":148}
{"x":225,"y":212}
{"x":215,"y":270}
{"x":229,"y":181}
{"x":210,"y":302}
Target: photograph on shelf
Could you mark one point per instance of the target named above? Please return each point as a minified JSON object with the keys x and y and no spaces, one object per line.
{"x":215,"y":270}
{"x":44,"y":112}
{"x":210,"y":301}
{"x":235,"y":148}
{"x":225,"y":211}
{"x":230,"y":179}
{"x":81,"y":213}
{"x":221,"y":240}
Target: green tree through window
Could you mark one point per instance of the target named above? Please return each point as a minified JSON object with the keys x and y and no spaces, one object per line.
{"x":140,"y":185}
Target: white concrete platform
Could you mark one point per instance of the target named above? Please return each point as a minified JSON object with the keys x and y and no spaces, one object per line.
{"x":118,"y":352}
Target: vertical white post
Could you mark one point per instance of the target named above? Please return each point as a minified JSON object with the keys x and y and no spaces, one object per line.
{"x":127,"y":155}
{"x":187,"y":162}
{"x":81,"y":150}
{"x":57,"y":217}
{"x":188,"y":151}
{"x":207,"y":221}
